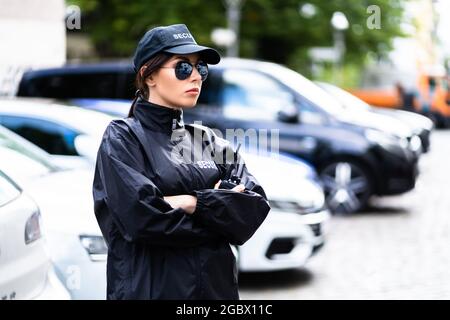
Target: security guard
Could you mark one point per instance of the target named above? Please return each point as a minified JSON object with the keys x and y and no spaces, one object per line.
{"x":167,"y":224}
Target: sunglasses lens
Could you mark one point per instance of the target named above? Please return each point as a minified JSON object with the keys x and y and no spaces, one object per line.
{"x":202,"y":69}
{"x":183,"y":70}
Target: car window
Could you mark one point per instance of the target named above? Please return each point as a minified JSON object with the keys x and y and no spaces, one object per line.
{"x":309,"y":113}
{"x":79,"y":85}
{"x":52,"y":137}
{"x":8,"y":190}
{"x":252,"y":95}
{"x":348,"y":101}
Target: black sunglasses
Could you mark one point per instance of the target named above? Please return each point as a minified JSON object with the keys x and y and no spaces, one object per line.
{"x":183,"y":69}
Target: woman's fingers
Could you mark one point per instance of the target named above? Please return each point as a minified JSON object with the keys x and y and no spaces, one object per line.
{"x":216,"y":186}
{"x":239,"y":188}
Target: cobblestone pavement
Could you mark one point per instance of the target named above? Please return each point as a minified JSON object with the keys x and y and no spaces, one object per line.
{"x":398,"y":249}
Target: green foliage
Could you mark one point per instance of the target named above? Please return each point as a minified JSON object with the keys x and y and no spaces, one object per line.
{"x":270,"y":30}
{"x":116,"y":26}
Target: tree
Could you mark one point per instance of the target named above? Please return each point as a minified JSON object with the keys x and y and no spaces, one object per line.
{"x":270,"y":30}
{"x":115,"y":26}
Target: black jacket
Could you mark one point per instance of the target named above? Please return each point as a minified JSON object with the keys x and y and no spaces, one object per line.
{"x":155,"y":251}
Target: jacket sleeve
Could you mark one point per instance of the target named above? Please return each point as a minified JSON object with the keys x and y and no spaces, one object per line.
{"x":235,"y":215}
{"x":123,"y":195}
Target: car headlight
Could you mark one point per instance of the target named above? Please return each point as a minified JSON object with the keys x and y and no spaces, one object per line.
{"x":385,"y":140}
{"x":95,"y":246}
{"x":33,"y":228}
{"x":415,"y":144}
{"x":311,"y":200}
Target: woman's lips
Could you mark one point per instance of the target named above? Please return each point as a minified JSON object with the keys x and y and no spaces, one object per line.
{"x":194,"y":90}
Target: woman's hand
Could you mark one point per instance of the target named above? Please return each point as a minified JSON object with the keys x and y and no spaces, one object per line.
{"x":184,"y":201}
{"x":188,"y":203}
{"x":238,"y":188}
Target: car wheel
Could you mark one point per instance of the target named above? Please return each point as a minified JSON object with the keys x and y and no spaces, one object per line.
{"x":347,"y":186}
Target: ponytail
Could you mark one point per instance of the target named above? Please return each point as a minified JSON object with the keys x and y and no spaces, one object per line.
{"x":136,"y":96}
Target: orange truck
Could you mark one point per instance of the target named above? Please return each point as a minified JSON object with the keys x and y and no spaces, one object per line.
{"x":386,"y":98}
{"x":431,"y":98}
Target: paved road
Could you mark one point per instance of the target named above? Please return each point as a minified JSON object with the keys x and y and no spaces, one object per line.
{"x":398,"y":249}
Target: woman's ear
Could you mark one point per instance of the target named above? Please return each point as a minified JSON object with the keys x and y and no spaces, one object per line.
{"x":142,"y":70}
{"x":150,"y":81}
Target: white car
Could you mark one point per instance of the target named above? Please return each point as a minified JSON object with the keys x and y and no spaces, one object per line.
{"x":297,"y":223}
{"x":26,"y":271}
{"x":71,"y":135}
{"x":74,"y":240}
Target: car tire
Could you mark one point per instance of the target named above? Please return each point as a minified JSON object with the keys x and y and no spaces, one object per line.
{"x":347,"y":186}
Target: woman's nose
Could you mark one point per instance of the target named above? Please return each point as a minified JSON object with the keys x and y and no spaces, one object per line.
{"x":195,"y":75}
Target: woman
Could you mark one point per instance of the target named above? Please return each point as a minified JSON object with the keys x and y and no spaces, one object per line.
{"x":167,"y":224}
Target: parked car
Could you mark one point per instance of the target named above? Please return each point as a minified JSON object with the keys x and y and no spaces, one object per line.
{"x":420,"y":125}
{"x":74,"y":240}
{"x":69,"y":134}
{"x":355,"y":159}
{"x":26,"y":271}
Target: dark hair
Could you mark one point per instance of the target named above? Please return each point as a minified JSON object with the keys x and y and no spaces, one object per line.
{"x":150,"y":66}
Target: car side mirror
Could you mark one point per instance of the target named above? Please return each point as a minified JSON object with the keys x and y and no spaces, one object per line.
{"x":288,"y":116}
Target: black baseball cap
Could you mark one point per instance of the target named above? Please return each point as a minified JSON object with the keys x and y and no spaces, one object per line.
{"x":175,"y":39}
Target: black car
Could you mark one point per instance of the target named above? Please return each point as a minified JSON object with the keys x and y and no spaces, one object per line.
{"x":353,"y":160}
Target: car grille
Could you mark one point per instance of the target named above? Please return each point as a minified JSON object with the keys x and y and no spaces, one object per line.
{"x":280,"y":246}
{"x":316,"y":229}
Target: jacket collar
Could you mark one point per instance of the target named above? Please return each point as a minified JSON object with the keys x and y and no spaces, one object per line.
{"x":158,"y":118}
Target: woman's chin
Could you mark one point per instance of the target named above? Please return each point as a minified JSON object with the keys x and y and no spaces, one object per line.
{"x":189,"y":104}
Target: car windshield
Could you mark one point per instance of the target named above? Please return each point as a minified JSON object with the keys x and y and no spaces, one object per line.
{"x":8,"y":190}
{"x":348,"y":100}
{"x":305,"y":88}
{"x":23,"y":159}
